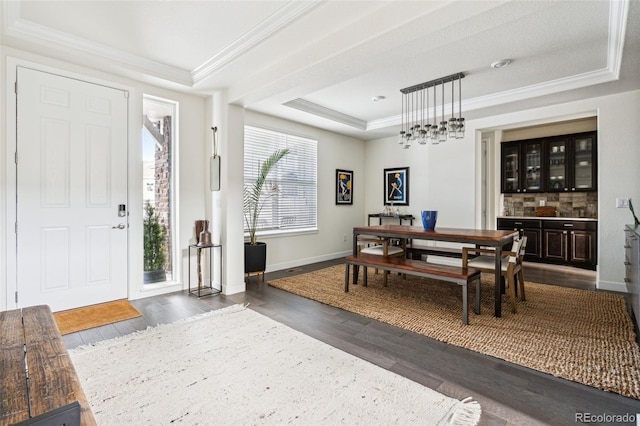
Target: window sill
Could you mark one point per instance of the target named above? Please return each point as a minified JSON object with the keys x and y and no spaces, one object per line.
{"x":283,"y":234}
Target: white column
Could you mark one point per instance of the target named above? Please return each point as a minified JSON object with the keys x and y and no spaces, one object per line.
{"x":226,"y":204}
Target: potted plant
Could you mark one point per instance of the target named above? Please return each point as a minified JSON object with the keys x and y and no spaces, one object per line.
{"x":254,"y":197}
{"x":153,"y":247}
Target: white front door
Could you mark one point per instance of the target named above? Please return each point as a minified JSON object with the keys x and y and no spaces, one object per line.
{"x":71,"y":181}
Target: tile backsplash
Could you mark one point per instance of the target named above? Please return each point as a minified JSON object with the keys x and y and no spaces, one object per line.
{"x":575,"y":204}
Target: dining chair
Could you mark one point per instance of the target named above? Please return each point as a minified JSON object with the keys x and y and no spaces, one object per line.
{"x":381,"y":247}
{"x":510,"y":266}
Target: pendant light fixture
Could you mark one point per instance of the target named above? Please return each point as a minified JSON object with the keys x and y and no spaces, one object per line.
{"x":415,"y":125}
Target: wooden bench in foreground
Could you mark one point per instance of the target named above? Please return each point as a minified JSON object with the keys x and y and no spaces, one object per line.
{"x":38,"y":383}
{"x":457,"y":275}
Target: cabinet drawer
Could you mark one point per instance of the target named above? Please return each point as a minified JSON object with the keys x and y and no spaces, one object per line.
{"x":578,"y":225}
{"x":518,"y":223}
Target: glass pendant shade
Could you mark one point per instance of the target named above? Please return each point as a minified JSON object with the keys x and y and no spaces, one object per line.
{"x":453,"y":126}
{"x":460,"y":132}
{"x":442,"y":132}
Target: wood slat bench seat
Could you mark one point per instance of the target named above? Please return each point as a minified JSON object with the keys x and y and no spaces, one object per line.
{"x":457,"y":275}
{"x":37,"y":378}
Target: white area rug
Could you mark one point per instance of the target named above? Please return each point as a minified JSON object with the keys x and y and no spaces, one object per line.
{"x":237,"y":367}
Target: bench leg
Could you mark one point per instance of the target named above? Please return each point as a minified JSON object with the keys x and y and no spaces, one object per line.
{"x":346,"y":277}
{"x":478,"y":296}
{"x":465,"y":303}
{"x":364,"y":276}
{"x":356,"y":268}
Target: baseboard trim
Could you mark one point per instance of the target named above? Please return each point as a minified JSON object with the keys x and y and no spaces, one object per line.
{"x":306,"y":261}
{"x":611,"y":286}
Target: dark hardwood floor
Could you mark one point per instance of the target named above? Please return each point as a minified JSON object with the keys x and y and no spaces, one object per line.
{"x":509,"y":394}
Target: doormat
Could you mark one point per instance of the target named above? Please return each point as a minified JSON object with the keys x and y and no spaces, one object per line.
{"x":94,"y":316}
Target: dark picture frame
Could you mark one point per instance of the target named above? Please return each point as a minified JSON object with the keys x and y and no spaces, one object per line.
{"x":396,"y":186}
{"x":344,"y":187}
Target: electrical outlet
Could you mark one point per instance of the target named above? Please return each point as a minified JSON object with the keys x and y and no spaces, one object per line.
{"x":344,"y":238}
{"x":622,"y":203}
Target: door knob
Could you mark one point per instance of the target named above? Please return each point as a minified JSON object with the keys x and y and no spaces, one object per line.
{"x":120,"y":226}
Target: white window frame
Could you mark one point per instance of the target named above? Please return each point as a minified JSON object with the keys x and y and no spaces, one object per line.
{"x":295,"y":175}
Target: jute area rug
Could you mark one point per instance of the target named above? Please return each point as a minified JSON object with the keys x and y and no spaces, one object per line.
{"x":94,"y":316}
{"x":237,"y":367}
{"x":583,"y":336}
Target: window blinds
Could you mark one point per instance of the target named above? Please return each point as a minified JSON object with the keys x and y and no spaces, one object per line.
{"x":290,"y":193}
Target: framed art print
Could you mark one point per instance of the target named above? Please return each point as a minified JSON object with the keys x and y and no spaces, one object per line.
{"x":344,"y":186}
{"x":396,"y":186}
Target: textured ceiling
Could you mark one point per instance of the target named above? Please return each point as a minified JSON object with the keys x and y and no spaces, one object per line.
{"x":321,"y":62}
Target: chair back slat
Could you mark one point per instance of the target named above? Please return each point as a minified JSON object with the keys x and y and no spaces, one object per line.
{"x":515,"y":248}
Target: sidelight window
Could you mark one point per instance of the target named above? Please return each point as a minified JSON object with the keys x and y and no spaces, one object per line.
{"x":158,"y":189}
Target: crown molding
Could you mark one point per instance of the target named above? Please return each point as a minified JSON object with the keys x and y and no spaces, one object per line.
{"x":515,"y":95}
{"x":328,"y":113}
{"x":618,"y":14}
{"x":279,"y":19}
{"x":14,"y":26}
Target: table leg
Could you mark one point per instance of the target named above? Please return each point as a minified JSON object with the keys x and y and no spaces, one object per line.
{"x":478,"y":296}
{"x":355,"y":253}
{"x":465,"y":303}
{"x":498,"y":274}
{"x":346,"y":278}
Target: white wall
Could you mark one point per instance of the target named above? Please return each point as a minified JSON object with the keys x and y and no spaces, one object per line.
{"x":441,"y":177}
{"x":335,"y":222}
{"x":446,"y":175}
{"x":191,"y":159}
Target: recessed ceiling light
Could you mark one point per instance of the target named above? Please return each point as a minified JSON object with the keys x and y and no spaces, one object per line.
{"x":501,"y":63}
{"x":378,"y":98}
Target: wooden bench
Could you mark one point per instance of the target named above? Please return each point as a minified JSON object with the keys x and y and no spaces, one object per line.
{"x":457,"y":275}
{"x":38,"y":383}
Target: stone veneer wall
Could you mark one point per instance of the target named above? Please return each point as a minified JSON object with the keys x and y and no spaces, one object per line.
{"x":573,"y":204}
{"x":163,"y":186}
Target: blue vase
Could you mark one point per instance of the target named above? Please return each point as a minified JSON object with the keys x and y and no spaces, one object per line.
{"x":429,"y":218}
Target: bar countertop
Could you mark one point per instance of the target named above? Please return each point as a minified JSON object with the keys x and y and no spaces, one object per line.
{"x":587,"y":219}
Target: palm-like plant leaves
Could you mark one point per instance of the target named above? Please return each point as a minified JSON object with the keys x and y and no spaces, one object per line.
{"x":635,"y":218}
{"x":253,"y":201}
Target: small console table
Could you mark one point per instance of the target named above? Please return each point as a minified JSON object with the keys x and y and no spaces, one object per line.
{"x":202,"y":288}
{"x":381,"y":216}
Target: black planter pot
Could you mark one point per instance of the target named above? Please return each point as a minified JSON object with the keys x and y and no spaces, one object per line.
{"x":154,"y":276}
{"x":255,"y":257}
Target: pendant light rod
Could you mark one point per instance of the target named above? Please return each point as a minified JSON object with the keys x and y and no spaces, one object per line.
{"x":436,"y":82}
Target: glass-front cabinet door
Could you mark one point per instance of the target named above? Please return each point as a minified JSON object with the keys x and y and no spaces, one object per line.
{"x":557,"y":176}
{"x":510,"y":167}
{"x":532,"y":152}
{"x":583,"y":164}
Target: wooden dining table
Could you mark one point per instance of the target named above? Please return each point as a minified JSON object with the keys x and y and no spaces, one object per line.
{"x":477,"y":237}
